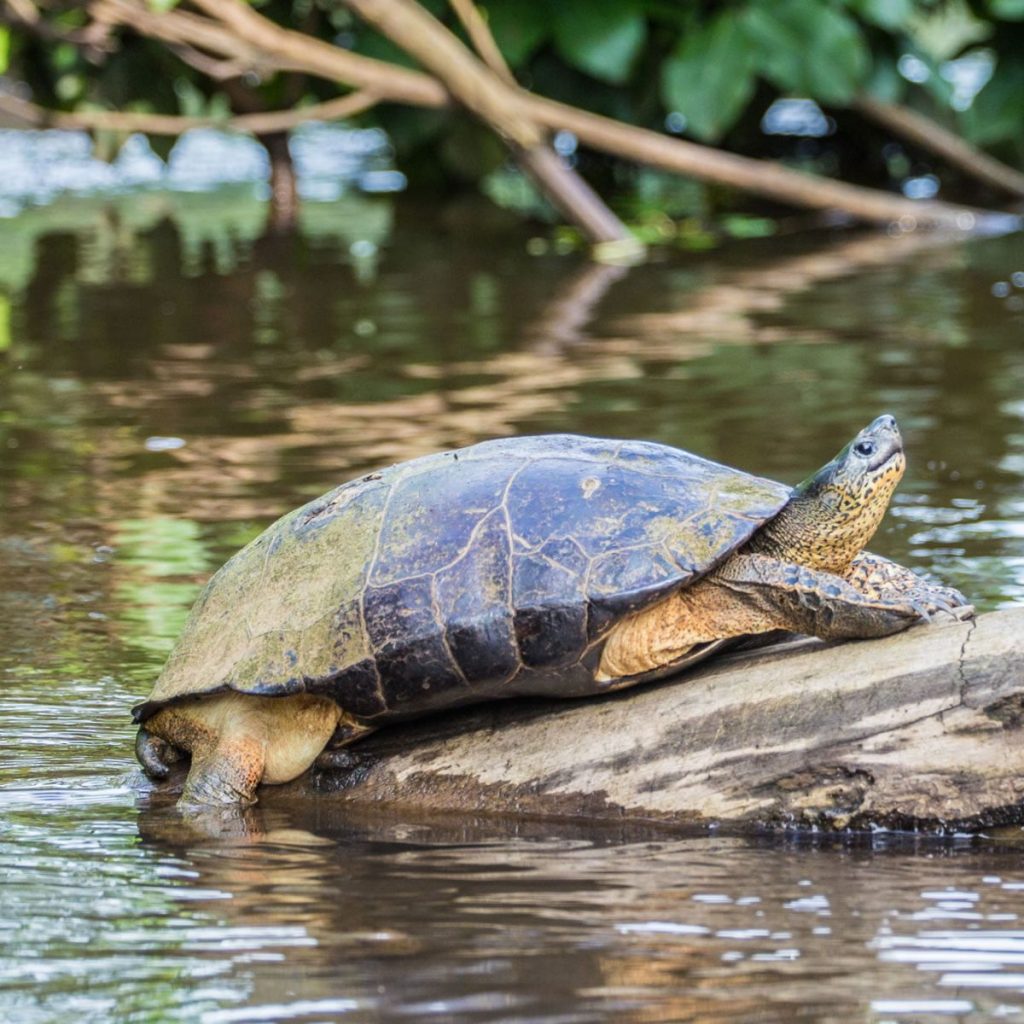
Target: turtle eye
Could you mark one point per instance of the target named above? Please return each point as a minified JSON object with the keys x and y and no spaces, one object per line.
{"x":865,"y":448}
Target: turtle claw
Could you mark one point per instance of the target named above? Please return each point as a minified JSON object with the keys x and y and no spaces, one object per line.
{"x":155,"y":755}
{"x":923,"y":612}
{"x":338,"y":759}
{"x":944,"y":600}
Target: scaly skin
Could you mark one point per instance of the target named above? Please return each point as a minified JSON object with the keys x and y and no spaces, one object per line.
{"x":804,"y":571}
{"x":237,"y":741}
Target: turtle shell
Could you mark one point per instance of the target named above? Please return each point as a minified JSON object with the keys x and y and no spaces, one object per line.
{"x":495,"y":570}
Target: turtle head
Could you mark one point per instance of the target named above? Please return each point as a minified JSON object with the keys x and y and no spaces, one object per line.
{"x":834,"y":513}
{"x":865,"y":473}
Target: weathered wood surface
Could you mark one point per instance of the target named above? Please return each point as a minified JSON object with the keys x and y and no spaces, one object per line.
{"x":923,"y":729}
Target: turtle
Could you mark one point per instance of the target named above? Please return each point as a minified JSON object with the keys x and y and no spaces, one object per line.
{"x":553,"y":565}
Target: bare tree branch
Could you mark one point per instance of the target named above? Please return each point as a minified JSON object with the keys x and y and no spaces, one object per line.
{"x":568,"y":191}
{"x":761,"y":177}
{"x":295,"y":51}
{"x":234,"y":30}
{"x":424,"y":38}
{"x":33,"y":116}
{"x":217,"y":70}
{"x":24,"y":14}
{"x":932,"y":136}
{"x":480,"y":36}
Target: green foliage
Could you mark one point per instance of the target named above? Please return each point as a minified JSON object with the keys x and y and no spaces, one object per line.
{"x":710,"y":76}
{"x":519,"y":27}
{"x":1009,"y":10}
{"x":719,"y":63}
{"x":5,"y":323}
{"x":887,"y":14}
{"x":995,"y":116}
{"x":599,"y":37}
{"x":802,"y":49}
{"x":808,"y":49}
{"x":944,"y":30}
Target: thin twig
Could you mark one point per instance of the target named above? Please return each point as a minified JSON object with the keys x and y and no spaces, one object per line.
{"x":298,"y":52}
{"x":32,"y":115}
{"x":217,"y":70}
{"x":26,"y":15}
{"x":254,"y":38}
{"x":932,"y":136}
{"x":478,"y":88}
{"x":480,"y":36}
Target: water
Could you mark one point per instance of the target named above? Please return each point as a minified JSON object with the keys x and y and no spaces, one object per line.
{"x":170,"y":382}
{"x":37,"y":167}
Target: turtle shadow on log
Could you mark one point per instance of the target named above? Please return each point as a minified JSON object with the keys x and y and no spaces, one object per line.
{"x":920,"y":731}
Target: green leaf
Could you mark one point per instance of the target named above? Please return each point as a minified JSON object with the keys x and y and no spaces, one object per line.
{"x":944,"y":30}
{"x":885,"y":82}
{"x":600,"y":37}
{"x":710,"y":77}
{"x":519,"y":27}
{"x":191,"y":102}
{"x":372,"y":44}
{"x":890,"y":14}
{"x":5,"y":48}
{"x":814,"y":49}
{"x":1011,"y":10}
{"x":5,"y":323}
{"x":996,"y":115}
{"x":161,"y":6}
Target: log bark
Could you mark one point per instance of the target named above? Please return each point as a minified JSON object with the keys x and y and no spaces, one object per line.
{"x":920,"y":730}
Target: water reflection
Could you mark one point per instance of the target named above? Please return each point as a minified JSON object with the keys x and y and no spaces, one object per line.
{"x":278,"y":371}
{"x":281,"y":367}
{"x":509,"y":921}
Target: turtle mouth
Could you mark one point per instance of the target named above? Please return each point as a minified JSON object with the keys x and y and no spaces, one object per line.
{"x":884,"y":435}
{"x":884,"y":459}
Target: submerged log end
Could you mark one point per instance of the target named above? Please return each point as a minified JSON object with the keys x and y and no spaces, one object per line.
{"x":920,"y":730}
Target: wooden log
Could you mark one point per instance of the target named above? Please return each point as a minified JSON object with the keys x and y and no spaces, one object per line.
{"x":919,"y":730}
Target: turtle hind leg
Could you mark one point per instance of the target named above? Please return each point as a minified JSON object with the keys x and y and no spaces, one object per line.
{"x":239,"y":740}
{"x":226,"y":772}
{"x":155,"y":755}
{"x":228,"y":757}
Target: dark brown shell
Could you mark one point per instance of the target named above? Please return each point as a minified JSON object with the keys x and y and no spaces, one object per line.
{"x":495,"y":570}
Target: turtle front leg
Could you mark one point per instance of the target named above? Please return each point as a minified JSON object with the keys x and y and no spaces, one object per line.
{"x":752,"y":594}
{"x":824,"y":605}
{"x":875,"y":576}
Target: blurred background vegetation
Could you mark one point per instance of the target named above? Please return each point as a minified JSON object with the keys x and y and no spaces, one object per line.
{"x":782,"y":79}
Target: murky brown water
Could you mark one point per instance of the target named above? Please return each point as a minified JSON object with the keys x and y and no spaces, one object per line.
{"x":169,"y":384}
